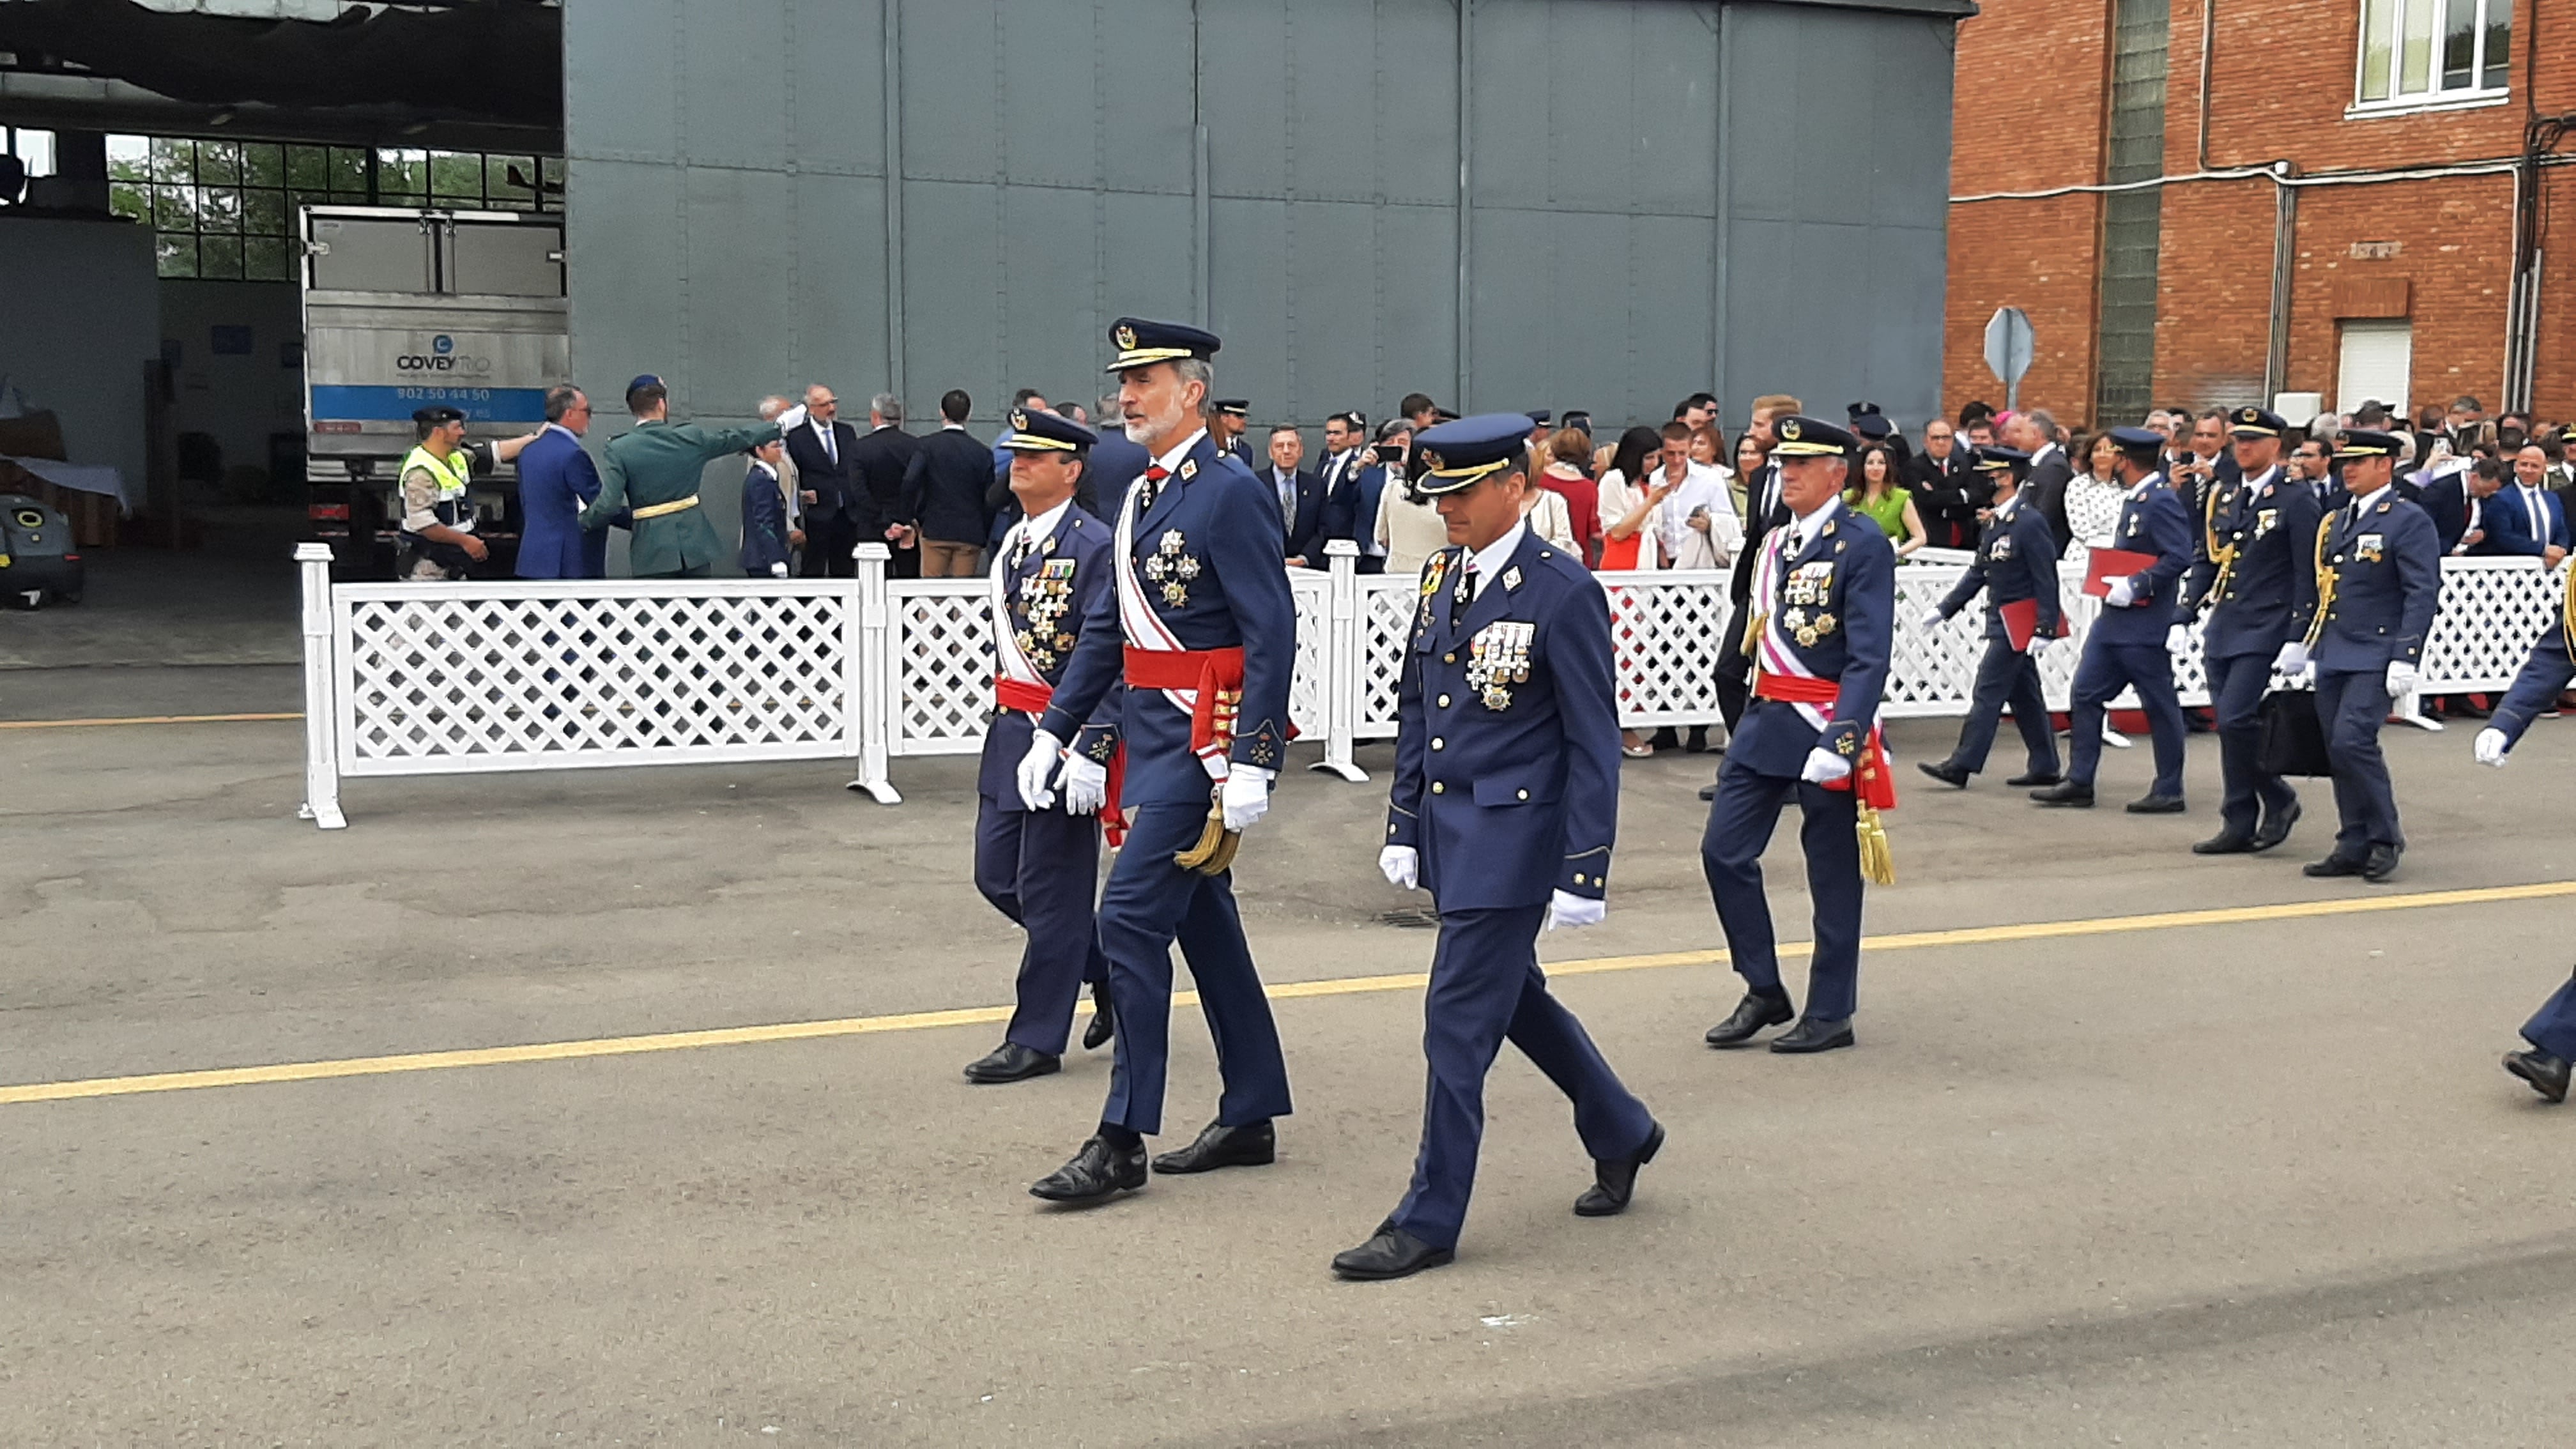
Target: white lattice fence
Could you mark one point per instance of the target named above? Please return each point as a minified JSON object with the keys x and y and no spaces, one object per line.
{"x":1309,"y":688}
{"x":431,"y":679}
{"x":2492,"y":608}
{"x":942,"y":689}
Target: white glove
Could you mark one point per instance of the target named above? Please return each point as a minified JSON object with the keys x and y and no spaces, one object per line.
{"x":2177,"y":639}
{"x":1565,"y":908}
{"x":1402,"y":866}
{"x":1037,"y":767}
{"x":2489,"y":747}
{"x":2292,"y":659}
{"x":1246,"y":796}
{"x":2401,"y":678}
{"x":1086,"y":785}
{"x":1824,"y":767}
{"x":2042,"y":644}
{"x":1933,"y":618}
{"x":2123,"y":593}
{"x":778,"y":571}
{"x":792,"y":419}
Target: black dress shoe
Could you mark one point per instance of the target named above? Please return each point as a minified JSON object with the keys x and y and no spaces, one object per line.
{"x":1104,"y":1021}
{"x":1011,"y":1062}
{"x":2380,"y":864}
{"x":1708,"y":791}
{"x":1252,"y":1145}
{"x":2229,"y":841}
{"x":1097,"y":1173}
{"x":1814,"y":1034}
{"x":2034,"y":780}
{"x":1614,"y":1180}
{"x":2156,"y":805}
{"x":1752,"y":1014}
{"x":2546,"y":1074}
{"x":2066,"y":792}
{"x":1945,"y":772}
{"x":2275,"y":829}
{"x":1393,"y":1253}
{"x":1696,"y":742}
{"x":2335,"y":864}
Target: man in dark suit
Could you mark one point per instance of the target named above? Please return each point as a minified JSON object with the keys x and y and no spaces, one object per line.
{"x":2458,"y":505}
{"x":2528,"y":518}
{"x":1344,"y":434}
{"x":838,"y":513}
{"x":556,"y":479}
{"x":943,"y":491}
{"x":1946,"y":488}
{"x":1763,"y":511}
{"x":882,"y":457}
{"x":1301,"y":496}
{"x":2035,"y":433}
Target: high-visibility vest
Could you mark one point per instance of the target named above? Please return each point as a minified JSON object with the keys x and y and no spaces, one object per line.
{"x":453,"y":473}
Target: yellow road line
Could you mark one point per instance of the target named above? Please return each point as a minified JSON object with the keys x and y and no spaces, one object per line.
{"x":617,"y":1046}
{"x":139,"y":719}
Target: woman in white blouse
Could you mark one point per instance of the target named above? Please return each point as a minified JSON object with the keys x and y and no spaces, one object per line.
{"x":2093,"y":497}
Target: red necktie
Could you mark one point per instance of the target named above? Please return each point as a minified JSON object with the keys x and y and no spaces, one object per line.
{"x":1155,"y":473}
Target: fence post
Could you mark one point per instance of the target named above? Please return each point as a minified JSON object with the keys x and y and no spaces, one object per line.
{"x":874,"y":690}
{"x":1343,"y":665}
{"x":321,"y":707}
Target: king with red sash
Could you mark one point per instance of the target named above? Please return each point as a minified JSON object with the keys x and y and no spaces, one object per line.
{"x":1200,"y":628}
{"x":1821,"y":622}
{"x":1039,"y":863}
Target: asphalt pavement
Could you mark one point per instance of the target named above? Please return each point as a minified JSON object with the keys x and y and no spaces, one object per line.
{"x":2224,"y":1156}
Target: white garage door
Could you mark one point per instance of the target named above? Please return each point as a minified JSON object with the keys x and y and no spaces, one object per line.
{"x":2374,"y":364}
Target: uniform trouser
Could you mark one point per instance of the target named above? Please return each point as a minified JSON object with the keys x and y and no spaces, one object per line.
{"x":1734,"y":672}
{"x":1150,"y":902}
{"x":1486,"y":988}
{"x":2006,"y":675}
{"x":829,"y":544}
{"x":2236,"y":686}
{"x":2107,"y":669}
{"x":2351,"y":705}
{"x":2554,"y":1029}
{"x":685,"y":571}
{"x":1740,"y":822}
{"x":1038,"y":867}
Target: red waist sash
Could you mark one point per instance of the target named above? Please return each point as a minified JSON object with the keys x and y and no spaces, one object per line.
{"x":1031,"y":697}
{"x":1877,"y":783}
{"x":1217,"y":675}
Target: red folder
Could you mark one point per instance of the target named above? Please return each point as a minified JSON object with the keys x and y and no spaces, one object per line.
{"x":2113,"y":563}
{"x":2021,"y":620}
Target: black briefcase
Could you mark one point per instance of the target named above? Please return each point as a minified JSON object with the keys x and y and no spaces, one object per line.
{"x":2294,"y":739}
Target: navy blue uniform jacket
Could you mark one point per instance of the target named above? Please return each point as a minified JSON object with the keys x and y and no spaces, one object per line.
{"x":2270,"y":591}
{"x":2155,"y":522}
{"x":1064,"y":583}
{"x":1508,"y":788}
{"x":1841,"y":588}
{"x":1207,"y":556}
{"x":764,"y":520}
{"x":556,"y":478}
{"x":2387,"y":565}
{"x":2016,"y":559}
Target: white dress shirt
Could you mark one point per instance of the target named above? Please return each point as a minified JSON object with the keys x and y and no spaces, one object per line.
{"x":1492,"y":559}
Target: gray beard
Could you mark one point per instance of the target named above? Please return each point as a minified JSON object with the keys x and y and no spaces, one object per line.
{"x":1145,"y":430}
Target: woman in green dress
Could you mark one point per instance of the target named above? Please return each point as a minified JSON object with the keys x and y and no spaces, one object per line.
{"x":1886,"y":502}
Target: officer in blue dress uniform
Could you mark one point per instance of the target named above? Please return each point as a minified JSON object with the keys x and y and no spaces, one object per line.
{"x":1201,"y":611}
{"x":2128,"y":645}
{"x":1505,"y":799}
{"x":2255,"y":574}
{"x":2015,"y":563}
{"x":1040,"y":866}
{"x":1820,"y":621}
{"x":2378,"y":563}
{"x":2552,"y":1033}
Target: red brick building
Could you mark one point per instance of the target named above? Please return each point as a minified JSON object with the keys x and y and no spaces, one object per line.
{"x":2213,"y":202}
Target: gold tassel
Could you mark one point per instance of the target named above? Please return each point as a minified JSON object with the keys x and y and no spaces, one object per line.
{"x":1214,"y":853}
{"x":1877,"y":860}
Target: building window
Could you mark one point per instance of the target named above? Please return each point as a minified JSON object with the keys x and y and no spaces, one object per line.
{"x":227,"y":209}
{"x":35,"y":149}
{"x":2419,"y":52}
{"x":2374,"y":362}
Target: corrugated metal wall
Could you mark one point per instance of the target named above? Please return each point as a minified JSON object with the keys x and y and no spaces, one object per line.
{"x":1628,"y":163}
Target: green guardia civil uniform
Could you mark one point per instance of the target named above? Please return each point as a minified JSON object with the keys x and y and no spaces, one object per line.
{"x":654,"y":470}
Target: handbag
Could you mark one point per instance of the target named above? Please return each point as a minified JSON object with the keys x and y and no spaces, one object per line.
{"x":2294,"y":739}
